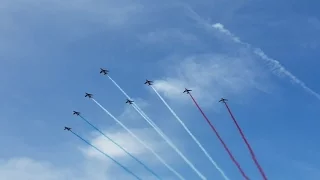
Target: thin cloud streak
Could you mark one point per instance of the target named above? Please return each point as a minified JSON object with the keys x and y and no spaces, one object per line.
{"x":273,"y":64}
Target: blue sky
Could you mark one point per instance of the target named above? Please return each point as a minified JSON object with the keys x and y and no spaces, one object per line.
{"x":51,"y":52}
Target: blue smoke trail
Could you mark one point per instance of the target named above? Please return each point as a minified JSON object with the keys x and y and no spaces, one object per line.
{"x":145,"y":166}
{"x":129,"y":131}
{"x":115,"y":161}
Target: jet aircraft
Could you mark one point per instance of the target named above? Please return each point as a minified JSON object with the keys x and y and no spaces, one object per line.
{"x":104,"y":71}
{"x":67,"y":128}
{"x":88,"y":95}
{"x":129,"y":101}
{"x":187,"y":91}
{"x":76,"y":113}
{"x":223,"y":100}
{"x":148,"y":82}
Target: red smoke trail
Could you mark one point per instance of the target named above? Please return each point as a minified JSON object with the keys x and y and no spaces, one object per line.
{"x":220,"y":139}
{"x":247,"y":143}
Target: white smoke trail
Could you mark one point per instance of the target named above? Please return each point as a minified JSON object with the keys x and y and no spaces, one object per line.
{"x":274,"y":65}
{"x":169,"y":142}
{"x":116,"y":84}
{"x":150,"y":122}
{"x":158,"y":130}
{"x":192,"y":136}
{"x":133,"y":135}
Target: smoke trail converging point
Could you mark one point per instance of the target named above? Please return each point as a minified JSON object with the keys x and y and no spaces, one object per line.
{"x":132,"y":156}
{"x":167,"y":140}
{"x":192,"y":136}
{"x":115,"y":161}
{"x":220,"y":139}
{"x":246,"y":142}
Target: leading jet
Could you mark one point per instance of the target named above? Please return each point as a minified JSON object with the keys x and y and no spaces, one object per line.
{"x":129,"y":101}
{"x":148,"y":82}
{"x":67,"y":128}
{"x":104,"y":71}
{"x":88,"y":95}
{"x":187,"y":91}
{"x":223,"y":100}
{"x":76,"y":113}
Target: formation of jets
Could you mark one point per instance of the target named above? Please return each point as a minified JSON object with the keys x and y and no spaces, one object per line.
{"x":148,"y":82}
{"x":129,"y":101}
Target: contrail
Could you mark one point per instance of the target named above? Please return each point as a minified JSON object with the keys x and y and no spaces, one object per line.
{"x":158,"y":130}
{"x":169,"y":142}
{"x":275,"y":66}
{"x":133,"y":135}
{"x":116,"y":84}
{"x":136,"y":159}
{"x":254,"y":158}
{"x":192,"y":136}
{"x":219,"y":137}
{"x":115,"y":161}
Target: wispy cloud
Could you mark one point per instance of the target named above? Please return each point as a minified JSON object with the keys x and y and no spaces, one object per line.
{"x":94,"y":165}
{"x":27,"y":168}
{"x":33,"y":27}
{"x":125,"y":140}
{"x":61,"y":21}
{"x":274,"y":65}
{"x":211,"y":76}
{"x":109,"y":12}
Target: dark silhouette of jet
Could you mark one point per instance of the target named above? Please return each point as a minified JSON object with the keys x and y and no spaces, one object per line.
{"x":148,"y":82}
{"x":67,"y":128}
{"x":104,"y":71}
{"x":129,"y":101}
{"x":223,"y":100}
{"x":186,"y":90}
{"x":88,"y":95}
{"x":76,"y":113}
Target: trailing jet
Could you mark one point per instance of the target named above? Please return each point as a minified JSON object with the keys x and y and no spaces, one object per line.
{"x":76,"y":113}
{"x":88,"y":95}
{"x":148,"y":82}
{"x":67,"y":128}
{"x":129,"y":101}
{"x":187,"y":91}
{"x":223,"y":100}
{"x":104,"y":71}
